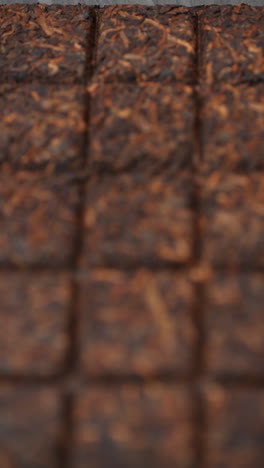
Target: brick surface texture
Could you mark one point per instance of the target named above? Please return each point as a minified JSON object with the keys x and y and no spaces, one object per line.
{"x":131,"y":240}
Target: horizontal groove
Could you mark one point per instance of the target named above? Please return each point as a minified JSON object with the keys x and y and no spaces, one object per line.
{"x":239,"y":381}
{"x":151,"y":3}
{"x":44,"y":81}
{"x":28,"y":269}
{"x":30,"y":380}
{"x":113,"y":380}
{"x":69,"y":383}
{"x":154,"y":267}
{"x":74,"y":383}
{"x":186,"y":268}
{"x":230,"y":270}
{"x":123,"y":81}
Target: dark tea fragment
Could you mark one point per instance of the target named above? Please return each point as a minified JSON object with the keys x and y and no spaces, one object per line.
{"x":33,"y":323}
{"x":232,"y":128}
{"x":235,"y":428}
{"x":30,"y":426}
{"x":133,"y":426}
{"x":42,"y":127}
{"x":138,"y":219}
{"x":234,"y":328}
{"x":150,"y":126}
{"x":136,"y":323}
{"x":138,"y":43}
{"x":37,"y":222}
{"x":231,"y":44}
{"x":44,"y":43}
{"x":232,"y":220}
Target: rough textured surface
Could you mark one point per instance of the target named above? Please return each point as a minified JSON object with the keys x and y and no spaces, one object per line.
{"x":234,"y":330}
{"x":232,"y":128}
{"x":133,"y":426}
{"x":235,"y":428}
{"x":30,"y":428}
{"x":37,"y":222}
{"x":231,"y":44}
{"x":6,"y":459}
{"x":44,"y":42}
{"x":138,"y":219}
{"x":137,"y":324}
{"x":148,"y":125}
{"x":34,"y":319}
{"x":101,"y":3}
{"x":232,"y":220}
{"x":41,"y":126}
{"x":138,"y":43}
{"x":131,"y":240}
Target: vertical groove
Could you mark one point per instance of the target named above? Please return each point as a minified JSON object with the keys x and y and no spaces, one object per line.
{"x":198,"y":364}
{"x":73,"y":327}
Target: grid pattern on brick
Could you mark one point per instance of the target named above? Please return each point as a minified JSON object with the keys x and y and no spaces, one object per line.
{"x":131,"y":242}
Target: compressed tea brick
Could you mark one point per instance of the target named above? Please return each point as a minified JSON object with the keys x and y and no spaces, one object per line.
{"x":44,"y":42}
{"x":6,"y":460}
{"x":232,"y":220}
{"x":33,"y":323}
{"x":147,"y":125}
{"x":37,"y":222}
{"x":133,"y":426}
{"x":232,"y":128}
{"x":235,"y":423}
{"x":234,"y":325}
{"x":138,"y":43}
{"x":138,"y":219}
{"x":136,"y":323}
{"x":231,"y":44}
{"x":29,"y":427}
{"x":41,"y":126}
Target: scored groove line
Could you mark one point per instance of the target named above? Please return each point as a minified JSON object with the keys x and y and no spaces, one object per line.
{"x":73,"y":329}
{"x":198,"y":304}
